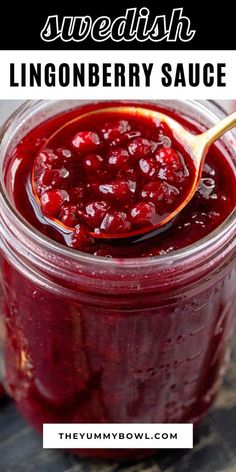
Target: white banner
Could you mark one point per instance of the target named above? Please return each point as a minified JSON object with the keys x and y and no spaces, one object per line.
{"x":116,"y":436}
{"x":118,"y":74}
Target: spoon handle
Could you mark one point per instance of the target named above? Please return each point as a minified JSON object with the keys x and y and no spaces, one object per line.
{"x":220,"y":128}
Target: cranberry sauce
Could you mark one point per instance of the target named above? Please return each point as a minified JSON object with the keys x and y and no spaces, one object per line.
{"x":113,"y":175}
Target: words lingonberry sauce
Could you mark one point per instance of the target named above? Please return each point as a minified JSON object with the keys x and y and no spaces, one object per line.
{"x":114,"y":175}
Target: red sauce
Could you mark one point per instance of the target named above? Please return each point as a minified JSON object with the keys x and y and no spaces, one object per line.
{"x":110,"y":175}
{"x":2,"y":392}
{"x":115,"y":176}
{"x":125,"y":355}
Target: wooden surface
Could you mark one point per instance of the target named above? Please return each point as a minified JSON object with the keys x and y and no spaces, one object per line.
{"x":214,"y":451}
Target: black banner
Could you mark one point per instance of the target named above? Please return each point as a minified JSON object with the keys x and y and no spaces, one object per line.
{"x":130,"y":25}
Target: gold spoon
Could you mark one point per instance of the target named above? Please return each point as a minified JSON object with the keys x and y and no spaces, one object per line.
{"x":195,"y":145}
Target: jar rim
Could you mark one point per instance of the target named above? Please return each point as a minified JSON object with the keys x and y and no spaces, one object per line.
{"x":61,"y":251}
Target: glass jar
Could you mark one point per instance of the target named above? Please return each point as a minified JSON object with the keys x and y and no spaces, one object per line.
{"x":90,"y":339}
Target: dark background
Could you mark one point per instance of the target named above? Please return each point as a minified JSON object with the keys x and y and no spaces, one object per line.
{"x":21,"y":23}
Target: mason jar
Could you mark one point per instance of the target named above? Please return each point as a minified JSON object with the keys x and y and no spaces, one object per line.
{"x":89,"y":339}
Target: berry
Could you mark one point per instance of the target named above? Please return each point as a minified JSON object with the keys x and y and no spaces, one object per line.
{"x":69,"y":215}
{"x":52,"y":201}
{"x":48,"y":159}
{"x":55,"y":177}
{"x":143,"y":213}
{"x":94,"y":213}
{"x":172,"y":166}
{"x":115,"y":222}
{"x":140,"y":147}
{"x":112,"y":131}
{"x":153,"y":192}
{"x":92,"y":163}
{"x":157,"y":192}
{"x":168,"y":156}
{"x":148,"y":167}
{"x":118,"y":190}
{"x":118,"y":158}
{"x":86,"y":141}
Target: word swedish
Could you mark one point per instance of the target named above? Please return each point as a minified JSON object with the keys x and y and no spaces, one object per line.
{"x":117,"y":75}
{"x":136,"y":24}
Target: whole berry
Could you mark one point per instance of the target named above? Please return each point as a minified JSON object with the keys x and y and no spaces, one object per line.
{"x":52,"y":201}
{"x":86,"y":141}
{"x":115,"y":222}
{"x":143,"y":213}
{"x":112,"y":131}
{"x":92,"y":163}
{"x":140,"y":147}
{"x":69,"y":215}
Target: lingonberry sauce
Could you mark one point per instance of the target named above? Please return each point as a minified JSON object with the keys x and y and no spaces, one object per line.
{"x":104,"y":344}
{"x":124,"y":174}
{"x":115,"y":175}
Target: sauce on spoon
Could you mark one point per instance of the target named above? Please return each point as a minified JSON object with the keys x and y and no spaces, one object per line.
{"x":114,"y":173}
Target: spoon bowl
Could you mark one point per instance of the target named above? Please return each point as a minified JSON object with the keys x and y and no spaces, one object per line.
{"x":195,"y":146}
